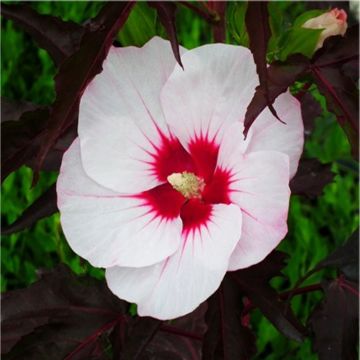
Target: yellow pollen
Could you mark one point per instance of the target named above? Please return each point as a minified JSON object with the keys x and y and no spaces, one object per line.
{"x":188,"y":184}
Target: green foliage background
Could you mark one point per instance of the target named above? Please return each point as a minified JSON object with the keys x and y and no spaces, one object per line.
{"x":316,"y":227}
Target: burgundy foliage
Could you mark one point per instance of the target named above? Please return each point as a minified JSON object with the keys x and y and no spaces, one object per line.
{"x":227,"y":338}
{"x":218,"y":9}
{"x":59,"y":38}
{"x":166,"y":12}
{"x":254,"y":282}
{"x":338,"y":86}
{"x":258,"y":27}
{"x":21,"y":127}
{"x":335,"y":321}
{"x":310,"y":110}
{"x":311,"y":178}
{"x":42,"y":207}
{"x":63,"y":316}
{"x":333,"y":68}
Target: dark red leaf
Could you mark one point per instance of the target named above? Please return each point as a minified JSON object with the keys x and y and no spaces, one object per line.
{"x":342,"y":99}
{"x":258,"y":29}
{"x":140,"y":333}
{"x":42,"y":207}
{"x":20,"y":137}
{"x":341,"y":92}
{"x":226,"y":338}
{"x":338,"y":50}
{"x":59,"y":315}
{"x":311,"y":178}
{"x":280,"y":76}
{"x":78,"y":70}
{"x":254,"y":282}
{"x":180,"y":338}
{"x":336,"y":321}
{"x":218,"y":8}
{"x":310,"y":110}
{"x":22,"y":131}
{"x":166,"y":12}
{"x":13,"y":110}
{"x":344,"y":257}
{"x":59,"y":38}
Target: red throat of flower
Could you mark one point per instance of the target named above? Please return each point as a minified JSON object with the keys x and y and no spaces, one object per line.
{"x":193,"y":183}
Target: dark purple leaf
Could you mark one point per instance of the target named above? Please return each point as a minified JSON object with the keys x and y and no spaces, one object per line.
{"x":59,"y":38}
{"x":258,"y":29}
{"x":23,"y":134}
{"x":59,"y":315}
{"x":42,"y":207}
{"x":218,"y":8}
{"x":344,"y":258}
{"x":78,"y":70}
{"x":280,"y":76}
{"x":226,"y":338}
{"x":311,"y":178}
{"x":181,"y":338}
{"x":310,"y":110}
{"x":338,"y":50}
{"x":254,"y":282}
{"x":20,"y":138}
{"x":166,"y":12}
{"x":13,"y":110}
{"x":341,"y":92}
{"x":342,"y":99}
{"x":350,"y":69}
{"x":140,"y":333}
{"x":336,"y":321}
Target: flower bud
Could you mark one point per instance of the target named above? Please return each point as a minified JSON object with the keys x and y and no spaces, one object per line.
{"x":333,"y":22}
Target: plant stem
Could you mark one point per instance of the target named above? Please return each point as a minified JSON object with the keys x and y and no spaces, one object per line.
{"x":285,"y":295}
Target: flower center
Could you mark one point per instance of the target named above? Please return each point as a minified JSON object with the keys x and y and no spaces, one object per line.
{"x":187,"y":183}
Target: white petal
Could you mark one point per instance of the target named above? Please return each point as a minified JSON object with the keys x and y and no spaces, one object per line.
{"x":259,"y":186}
{"x":213,"y":90}
{"x":179,"y":284}
{"x":120,"y":116}
{"x":107,"y":228}
{"x":268,"y":133}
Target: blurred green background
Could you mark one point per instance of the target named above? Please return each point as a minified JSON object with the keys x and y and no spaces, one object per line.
{"x":316,"y":227}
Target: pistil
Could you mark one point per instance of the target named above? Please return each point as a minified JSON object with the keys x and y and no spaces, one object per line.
{"x":187,"y":183}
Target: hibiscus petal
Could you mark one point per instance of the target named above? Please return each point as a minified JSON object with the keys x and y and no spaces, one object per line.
{"x":259,"y":185}
{"x":121,"y":124}
{"x":179,"y":284}
{"x":268,"y":133}
{"x":213,"y":90}
{"x":110,"y":229}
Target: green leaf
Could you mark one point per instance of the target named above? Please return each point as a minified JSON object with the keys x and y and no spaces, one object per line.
{"x":300,"y":20}
{"x":236,"y":22}
{"x":299,"y":41}
{"x":140,"y":26}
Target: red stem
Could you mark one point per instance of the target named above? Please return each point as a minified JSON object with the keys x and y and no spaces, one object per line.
{"x":315,"y":70}
{"x":285,"y":295}
{"x":346,"y":285}
{"x":338,"y":61}
{"x":93,"y":336}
